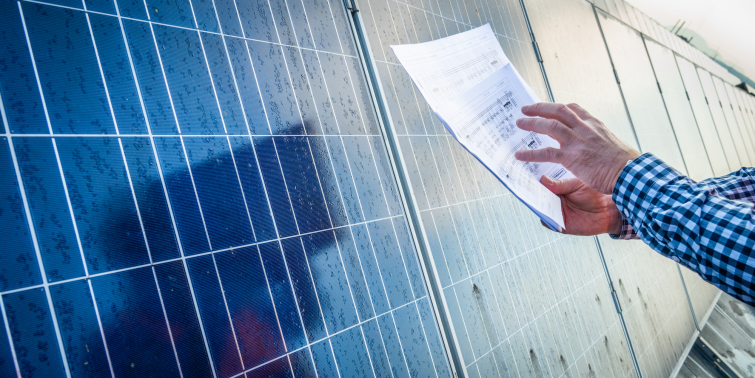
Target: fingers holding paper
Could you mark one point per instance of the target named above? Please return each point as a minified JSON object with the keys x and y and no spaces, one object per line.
{"x":587,"y":147}
{"x":586,"y":212}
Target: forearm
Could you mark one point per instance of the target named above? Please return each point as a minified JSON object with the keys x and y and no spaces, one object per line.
{"x":690,"y":222}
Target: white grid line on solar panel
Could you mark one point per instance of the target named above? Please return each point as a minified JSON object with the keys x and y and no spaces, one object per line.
{"x":475,"y":231}
{"x":629,"y":310}
{"x":645,"y":353}
{"x":81,"y":253}
{"x":165,"y":193}
{"x":2,"y":304}
{"x":594,"y":281}
{"x":10,"y":337}
{"x":533,"y":86}
{"x":478,"y":243}
{"x":576,"y":359}
{"x":590,"y":348}
{"x":34,"y":66}
{"x":485,"y":270}
{"x":369,"y":357}
{"x":747,"y":114}
{"x":330,"y":337}
{"x":174,"y":26}
{"x":725,"y":125}
{"x":102,"y":329}
{"x":731,"y":120}
{"x":702,"y":294}
{"x":149,"y":253}
{"x":228,"y":312}
{"x":333,"y":354}
{"x":680,"y":110}
{"x":88,"y":278}
{"x":341,"y":194}
{"x":638,"y":93}
{"x":432,"y":12}
{"x":32,"y":231}
{"x":744,"y":124}
{"x":749,"y":105}
{"x":360,"y":206}
{"x":705,"y":121}
{"x":531,"y":322}
{"x":99,"y":66}
{"x":192,"y":256}
{"x":747,"y":126}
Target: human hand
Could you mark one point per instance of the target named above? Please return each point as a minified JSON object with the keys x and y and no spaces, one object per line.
{"x":586,"y":212}
{"x":588,"y":149}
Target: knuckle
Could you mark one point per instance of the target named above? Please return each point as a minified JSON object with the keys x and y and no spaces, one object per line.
{"x":552,"y":125}
{"x":561,"y":108}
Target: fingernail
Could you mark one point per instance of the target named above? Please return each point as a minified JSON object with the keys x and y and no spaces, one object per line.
{"x":519,"y":121}
{"x":525,"y":108}
{"x":518,"y":155}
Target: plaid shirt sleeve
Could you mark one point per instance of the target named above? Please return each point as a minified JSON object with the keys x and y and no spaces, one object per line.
{"x":708,"y":226}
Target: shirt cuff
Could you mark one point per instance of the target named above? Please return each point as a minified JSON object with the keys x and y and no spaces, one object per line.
{"x":627,"y":231}
{"x":639,"y":187}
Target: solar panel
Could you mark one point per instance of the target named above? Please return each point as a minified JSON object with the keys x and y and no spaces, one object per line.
{"x":705,"y":122}
{"x":514,"y":299}
{"x":637,"y":81}
{"x":566,"y":32}
{"x":735,"y":97}
{"x":724,"y":120}
{"x":679,"y":111}
{"x":750,"y":106}
{"x":207,"y":193}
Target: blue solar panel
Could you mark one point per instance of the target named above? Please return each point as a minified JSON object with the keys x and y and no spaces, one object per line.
{"x":200,"y":189}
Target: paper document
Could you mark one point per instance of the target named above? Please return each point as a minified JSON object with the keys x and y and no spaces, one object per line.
{"x":477,"y":94}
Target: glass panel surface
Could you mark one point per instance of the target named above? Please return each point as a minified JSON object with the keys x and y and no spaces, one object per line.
{"x":680,"y":111}
{"x":747,"y":105}
{"x":567,"y":32}
{"x":520,"y":300}
{"x":208,"y":193}
{"x":658,"y":324}
{"x":750,"y":106}
{"x":705,"y":122}
{"x":726,"y":126}
{"x":643,"y":99}
{"x":736,"y":98}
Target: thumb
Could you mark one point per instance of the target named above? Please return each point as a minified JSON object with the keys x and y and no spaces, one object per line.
{"x":561,"y":186}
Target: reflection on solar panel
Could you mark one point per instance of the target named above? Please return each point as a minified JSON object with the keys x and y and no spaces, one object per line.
{"x":226,"y":188}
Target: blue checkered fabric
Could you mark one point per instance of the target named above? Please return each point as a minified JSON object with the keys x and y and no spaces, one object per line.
{"x":707,"y":226}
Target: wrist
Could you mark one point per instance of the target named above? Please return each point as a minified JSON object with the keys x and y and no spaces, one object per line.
{"x":615,"y":220}
{"x":620,"y":163}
